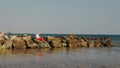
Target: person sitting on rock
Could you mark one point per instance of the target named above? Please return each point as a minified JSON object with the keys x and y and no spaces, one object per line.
{"x":39,"y":38}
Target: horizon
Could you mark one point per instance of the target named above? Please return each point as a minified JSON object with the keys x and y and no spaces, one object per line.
{"x":58,"y":33}
{"x":60,"y":16}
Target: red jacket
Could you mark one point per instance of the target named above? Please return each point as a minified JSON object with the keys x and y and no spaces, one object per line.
{"x":41,"y":39}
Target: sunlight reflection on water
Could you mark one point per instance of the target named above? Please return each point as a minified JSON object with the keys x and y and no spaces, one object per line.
{"x":61,"y":58}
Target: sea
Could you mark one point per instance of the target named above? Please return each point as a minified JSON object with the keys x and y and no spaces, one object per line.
{"x":103,"y":57}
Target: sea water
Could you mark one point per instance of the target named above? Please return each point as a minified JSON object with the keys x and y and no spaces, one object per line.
{"x":61,"y":58}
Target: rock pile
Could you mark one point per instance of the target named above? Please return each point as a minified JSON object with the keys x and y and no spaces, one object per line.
{"x":25,"y":41}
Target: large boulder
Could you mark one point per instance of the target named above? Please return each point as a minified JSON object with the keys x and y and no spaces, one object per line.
{"x":19,"y":43}
{"x":55,"y":43}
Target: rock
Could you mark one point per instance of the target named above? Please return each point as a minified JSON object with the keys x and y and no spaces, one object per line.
{"x":83,"y":43}
{"x":108,"y":43}
{"x":91,"y":44}
{"x":26,"y":38}
{"x":7,"y":37}
{"x":19,"y":43}
{"x":73,"y":36}
{"x":49,"y":38}
{"x":13,"y":37}
{"x":42,"y":44}
{"x":29,"y":42}
{"x":8,"y":44}
{"x":63,"y":42}
{"x":73,"y":43}
{"x":1,"y":42}
{"x":98,"y":44}
{"x":55,"y":43}
{"x":45,"y":45}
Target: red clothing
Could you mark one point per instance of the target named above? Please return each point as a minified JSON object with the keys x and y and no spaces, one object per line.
{"x":41,"y":39}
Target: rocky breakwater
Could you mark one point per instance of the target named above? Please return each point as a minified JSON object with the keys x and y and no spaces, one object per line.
{"x":26,"y":41}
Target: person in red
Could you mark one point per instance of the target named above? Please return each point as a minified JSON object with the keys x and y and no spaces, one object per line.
{"x":39,"y":38}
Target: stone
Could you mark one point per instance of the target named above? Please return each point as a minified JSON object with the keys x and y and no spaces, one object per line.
{"x":19,"y":43}
{"x":72,"y":36}
{"x":55,"y":43}
{"x":31,"y":44}
{"x":83,"y":43}
{"x":73,"y":43}
{"x":98,"y":44}
{"x":108,"y":43}
{"x":91,"y":44}
{"x":42,"y":44}
{"x":1,"y":42}
{"x":8,"y":44}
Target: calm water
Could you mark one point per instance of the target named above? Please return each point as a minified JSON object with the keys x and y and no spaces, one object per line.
{"x":61,"y":58}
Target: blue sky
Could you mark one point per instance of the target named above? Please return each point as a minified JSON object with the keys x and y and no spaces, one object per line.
{"x":60,"y":16}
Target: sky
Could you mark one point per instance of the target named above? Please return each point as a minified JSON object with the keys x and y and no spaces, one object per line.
{"x":60,"y":16}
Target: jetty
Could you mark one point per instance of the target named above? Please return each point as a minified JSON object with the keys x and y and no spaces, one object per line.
{"x":26,"y":41}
